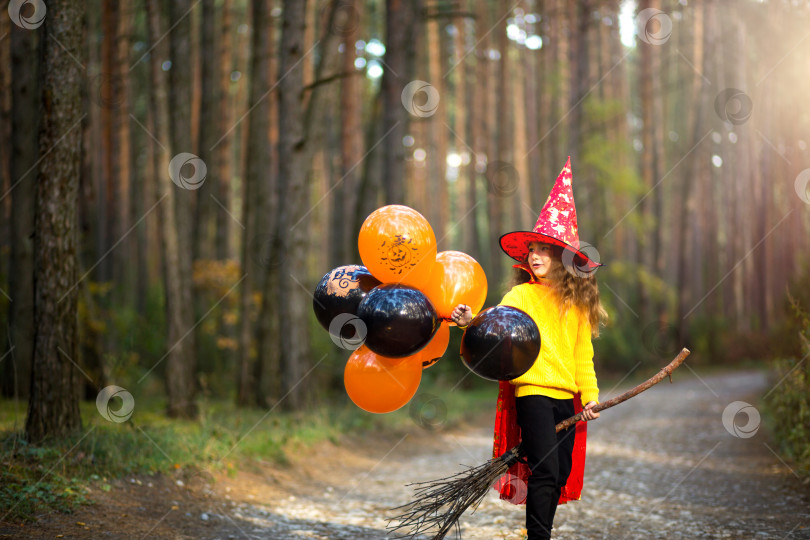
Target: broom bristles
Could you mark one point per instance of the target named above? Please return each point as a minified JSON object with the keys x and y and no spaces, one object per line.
{"x":438,"y":504}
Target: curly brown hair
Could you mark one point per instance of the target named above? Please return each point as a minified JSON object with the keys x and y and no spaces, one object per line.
{"x":572,"y":290}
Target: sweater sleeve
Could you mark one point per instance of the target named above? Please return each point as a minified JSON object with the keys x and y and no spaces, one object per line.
{"x":585,"y":376}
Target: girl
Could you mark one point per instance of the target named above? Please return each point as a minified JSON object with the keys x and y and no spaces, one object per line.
{"x":554,"y":284}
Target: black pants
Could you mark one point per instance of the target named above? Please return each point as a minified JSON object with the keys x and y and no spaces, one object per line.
{"x":548,"y":455}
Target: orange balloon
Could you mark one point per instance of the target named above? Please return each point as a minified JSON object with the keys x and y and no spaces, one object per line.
{"x":456,"y":278}
{"x":436,"y":347}
{"x":379,"y":384}
{"x":397,"y":245}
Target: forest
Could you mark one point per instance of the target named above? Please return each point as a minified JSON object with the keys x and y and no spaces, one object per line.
{"x":177,"y":176}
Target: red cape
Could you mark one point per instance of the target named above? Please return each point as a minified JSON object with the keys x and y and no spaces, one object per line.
{"x":512,"y":485}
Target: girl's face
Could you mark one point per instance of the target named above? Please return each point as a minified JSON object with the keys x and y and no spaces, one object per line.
{"x":539,"y":258}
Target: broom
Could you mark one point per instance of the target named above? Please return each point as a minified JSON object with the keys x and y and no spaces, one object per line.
{"x":438,"y":504}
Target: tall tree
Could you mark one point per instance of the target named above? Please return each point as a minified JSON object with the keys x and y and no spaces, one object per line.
{"x":401,"y":25}
{"x":351,"y":141}
{"x":223,"y":163}
{"x":209,"y":132}
{"x":258,"y":175}
{"x":499,"y":162}
{"x":25,"y":120}
{"x":648,"y":72}
{"x":436,"y":128}
{"x":180,"y":382}
{"x":122,"y":148}
{"x":300,"y":132}
{"x":53,"y":407}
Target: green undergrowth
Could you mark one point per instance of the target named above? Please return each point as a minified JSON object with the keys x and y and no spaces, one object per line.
{"x":788,"y":405}
{"x":54,"y":476}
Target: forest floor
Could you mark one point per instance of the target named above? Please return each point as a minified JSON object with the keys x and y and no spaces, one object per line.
{"x":661,"y":465}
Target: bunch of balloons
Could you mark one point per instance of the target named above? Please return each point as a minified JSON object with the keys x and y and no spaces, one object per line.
{"x":394,"y":312}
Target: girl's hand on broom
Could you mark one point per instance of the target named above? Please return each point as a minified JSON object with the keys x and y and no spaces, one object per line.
{"x":462,"y":315}
{"x":587,"y":413}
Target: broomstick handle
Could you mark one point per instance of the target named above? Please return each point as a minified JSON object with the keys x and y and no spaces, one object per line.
{"x":652,"y":381}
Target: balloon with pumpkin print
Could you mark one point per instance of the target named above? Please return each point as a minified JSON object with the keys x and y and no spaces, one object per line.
{"x":397,"y":245}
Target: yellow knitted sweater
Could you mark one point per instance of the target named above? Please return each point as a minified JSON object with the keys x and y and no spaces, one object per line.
{"x":565,"y":363}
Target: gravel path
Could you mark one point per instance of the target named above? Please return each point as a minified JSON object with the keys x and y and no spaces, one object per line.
{"x":661,"y":465}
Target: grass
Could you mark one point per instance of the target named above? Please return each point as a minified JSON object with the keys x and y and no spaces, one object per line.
{"x":52,"y":477}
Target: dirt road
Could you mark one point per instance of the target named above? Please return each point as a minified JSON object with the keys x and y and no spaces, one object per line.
{"x":662,"y":465}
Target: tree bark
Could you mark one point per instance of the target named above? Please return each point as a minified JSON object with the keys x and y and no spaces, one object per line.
{"x":351,"y":145}
{"x":436,"y":134}
{"x":694,"y":128}
{"x":257,"y":172}
{"x":209,"y":132}
{"x":25,"y":122}
{"x":291,"y":235}
{"x":53,"y":407}
{"x":181,"y":78}
{"x":122,"y":166}
{"x":402,"y":31}
{"x":180,"y":384}
{"x":285,"y":300}
{"x":223,"y":164}
{"x":647,"y":73}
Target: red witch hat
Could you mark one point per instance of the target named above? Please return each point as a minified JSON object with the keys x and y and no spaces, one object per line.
{"x":557,"y":225}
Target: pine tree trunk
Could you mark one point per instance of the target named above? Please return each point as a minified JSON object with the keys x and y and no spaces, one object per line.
{"x":53,"y":407}
{"x":476,"y":127}
{"x":123,"y":152}
{"x":181,"y":125}
{"x":695,"y":126}
{"x":499,"y":164}
{"x":286,"y":301}
{"x":402,"y":31}
{"x":180,"y":384}
{"x":462,"y":220}
{"x":351,"y":143}
{"x":209,"y":132}
{"x":647,"y":72}
{"x":257,"y":172}
{"x":291,"y":235}
{"x":25,"y":121}
{"x":223,"y":164}
{"x":5,"y":187}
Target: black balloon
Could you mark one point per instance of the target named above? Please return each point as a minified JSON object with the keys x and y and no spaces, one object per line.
{"x":399,"y":320}
{"x":341,"y":291}
{"x":501,"y":343}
